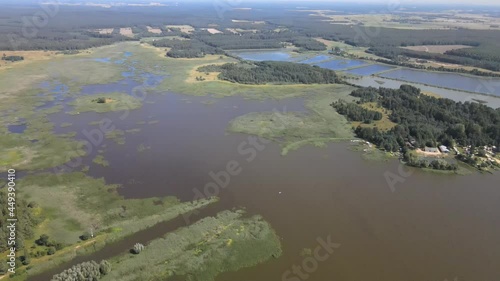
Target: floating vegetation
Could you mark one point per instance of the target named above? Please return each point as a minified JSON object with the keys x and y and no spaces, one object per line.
{"x":99,"y":160}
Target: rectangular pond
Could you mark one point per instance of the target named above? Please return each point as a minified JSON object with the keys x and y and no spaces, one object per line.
{"x":341,"y":64}
{"x":317,"y":59}
{"x":264,"y":55}
{"x":369,"y":70}
{"x":489,"y":86}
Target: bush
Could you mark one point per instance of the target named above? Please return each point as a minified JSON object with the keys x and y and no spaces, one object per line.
{"x":85,"y":236}
{"x":51,"y":251}
{"x":12,"y":58}
{"x":43,"y":240}
{"x":100,"y":100}
{"x":138,"y":247}
{"x":83,"y":271}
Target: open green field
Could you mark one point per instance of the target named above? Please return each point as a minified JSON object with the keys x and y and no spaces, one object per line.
{"x":200,"y":252}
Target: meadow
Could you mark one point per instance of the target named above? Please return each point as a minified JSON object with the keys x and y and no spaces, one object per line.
{"x":227,"y":242}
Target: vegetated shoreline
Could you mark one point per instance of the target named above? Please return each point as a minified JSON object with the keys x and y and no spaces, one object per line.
{"x":232,"y":240}
{"x":444,"y":127}
{"x":111,"y":233}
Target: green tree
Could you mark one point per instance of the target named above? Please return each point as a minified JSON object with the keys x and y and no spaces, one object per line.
{"x":43,"y":240}
{"x":104,"y":267}
{"x":51,"y":251}
{"x":3,"y":267}
{"x":25,"y":259}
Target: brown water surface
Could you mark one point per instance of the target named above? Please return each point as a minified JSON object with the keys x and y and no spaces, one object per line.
{"x":431,"y":228}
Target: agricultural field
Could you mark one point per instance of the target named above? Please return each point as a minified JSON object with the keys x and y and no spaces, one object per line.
{"x":412,"y":20}
{"x":154,"y":30}
{"x":126,"y":31}
{"x":183,"y":28}
{"x":104,"y":30}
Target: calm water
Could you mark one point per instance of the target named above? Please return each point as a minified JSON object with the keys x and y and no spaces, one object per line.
{"x":432,"y":227}
{"x":490,"y":86}
{"x":369,"y":70}
{"x":265,"y":55}
{"x":17,"y":129}
{"x":371,"y":81}
{"x":317,"y":59}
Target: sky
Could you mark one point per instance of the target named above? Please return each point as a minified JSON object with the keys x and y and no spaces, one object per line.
{"x":409,"y":2}
{"x":242,"y":2}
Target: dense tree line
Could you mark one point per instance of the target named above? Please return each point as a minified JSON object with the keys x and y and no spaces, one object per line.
{"x":84,"y":272}
{"x":354,"y":112}
{"x":26,"y":223}
{"x":437,"y":164}
{"x":186,"y":48}
{"x":427,"y":121}
{"x":243,"y":41}
{"x":260,"y":40}
{"x":273,"y":72}
{"x":12,"y":58}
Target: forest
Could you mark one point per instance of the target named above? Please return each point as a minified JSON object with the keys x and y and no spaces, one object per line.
{"x":427,"y":121}
{"x":260,"y":40}
{"x":27,"y":221}
{"x":273,"y":72}
{"x":355,"y":112}
{"x":73,"y":28}
{"x":25,"y":228}
{"x":186,"y":48}
{"x":202,"y":43}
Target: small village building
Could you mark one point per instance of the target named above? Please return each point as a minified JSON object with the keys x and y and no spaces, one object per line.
{"x":444,"y":149}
